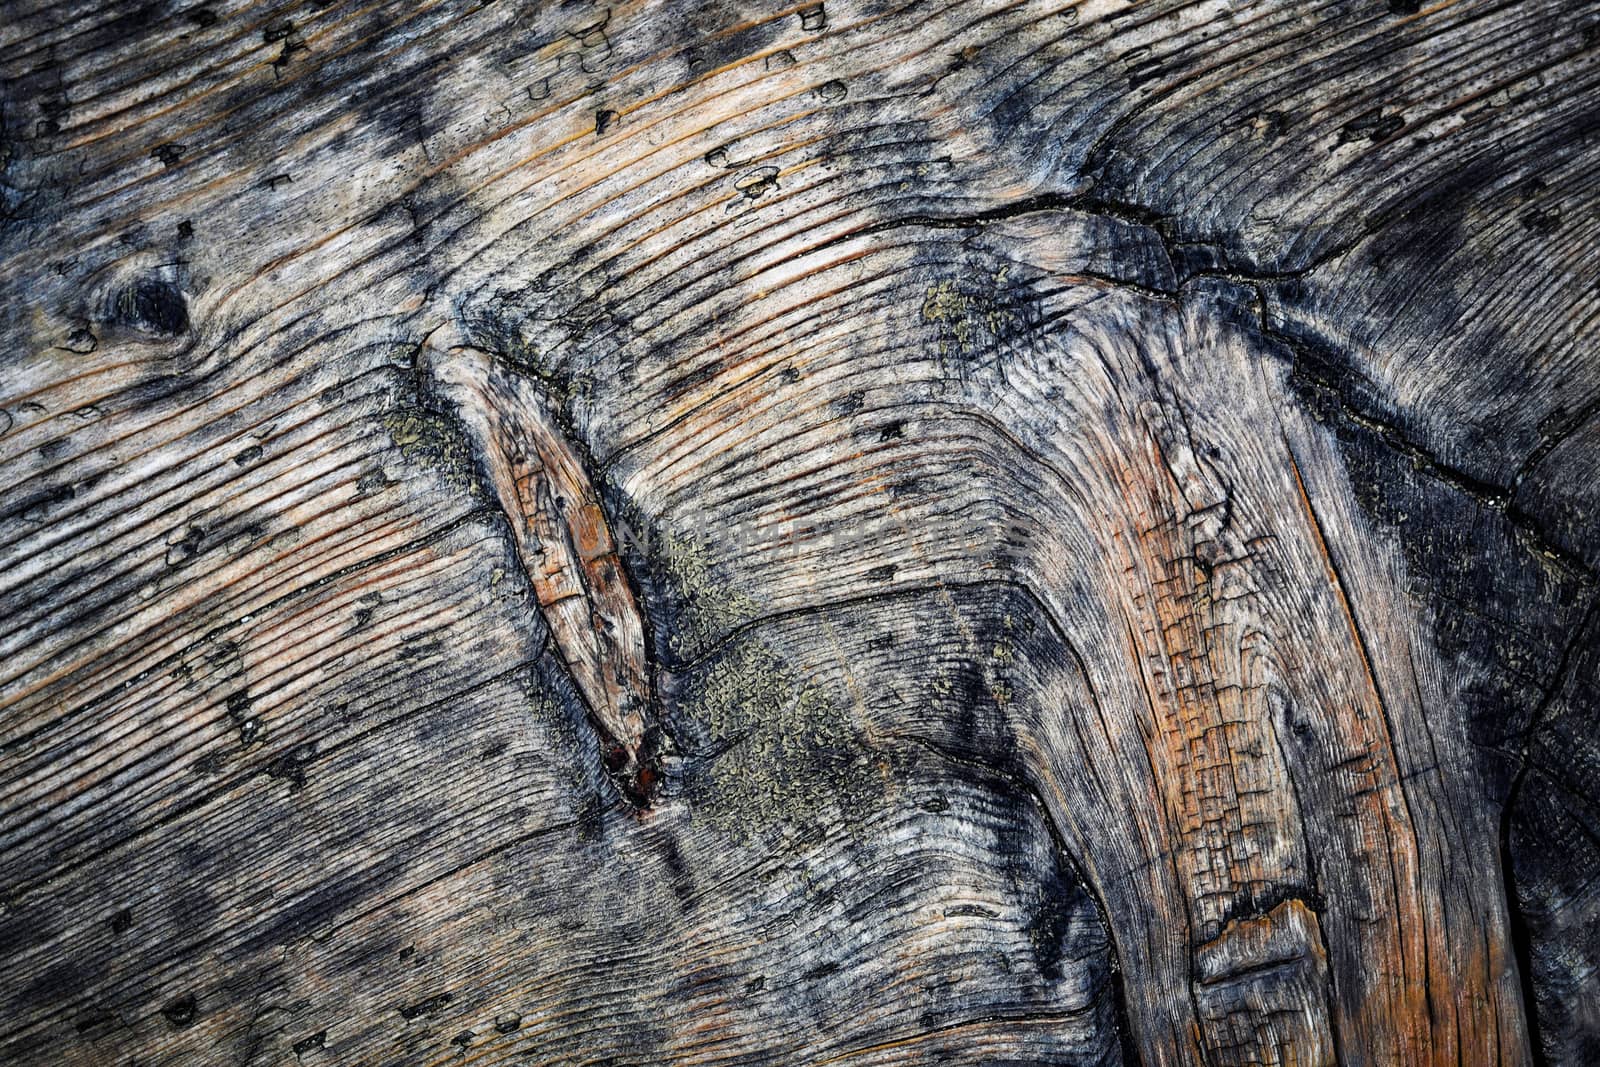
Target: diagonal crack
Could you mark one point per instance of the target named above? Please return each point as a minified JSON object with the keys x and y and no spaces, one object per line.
{"x":1313,"y":369}
{"x":1318,"y":372}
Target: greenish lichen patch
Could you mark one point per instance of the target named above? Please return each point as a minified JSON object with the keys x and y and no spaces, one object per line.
{"x":765,"y":745}
{"x":967,"y":319}
{"x":787,"y":752}
{"x":708,"y":607}
{"x":431,"y":440}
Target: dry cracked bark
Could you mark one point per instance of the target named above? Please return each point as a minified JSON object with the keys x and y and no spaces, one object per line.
{"x":834,"y":533}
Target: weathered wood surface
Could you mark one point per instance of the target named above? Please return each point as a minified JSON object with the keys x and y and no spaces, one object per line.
{"x":851,"y":533}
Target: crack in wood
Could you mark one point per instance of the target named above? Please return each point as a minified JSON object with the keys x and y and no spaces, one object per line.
{"x":1313,"y":370}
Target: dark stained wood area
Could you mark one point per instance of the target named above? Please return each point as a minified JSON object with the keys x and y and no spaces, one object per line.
{"x":961,"y":532}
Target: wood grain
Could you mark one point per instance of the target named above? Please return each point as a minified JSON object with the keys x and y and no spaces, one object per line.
{"x":657,"y":532}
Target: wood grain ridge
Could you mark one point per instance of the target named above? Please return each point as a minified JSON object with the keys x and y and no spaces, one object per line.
{"x":1002,"y":531}
{"x":565,"y":545}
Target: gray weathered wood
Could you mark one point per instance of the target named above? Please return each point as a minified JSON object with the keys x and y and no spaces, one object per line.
{"x":833,"y":533}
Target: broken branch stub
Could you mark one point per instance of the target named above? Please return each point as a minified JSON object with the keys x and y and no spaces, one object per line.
{"x":564,"y":544}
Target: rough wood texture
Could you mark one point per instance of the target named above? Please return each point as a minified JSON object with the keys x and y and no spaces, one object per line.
{"x":857,"y":533}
